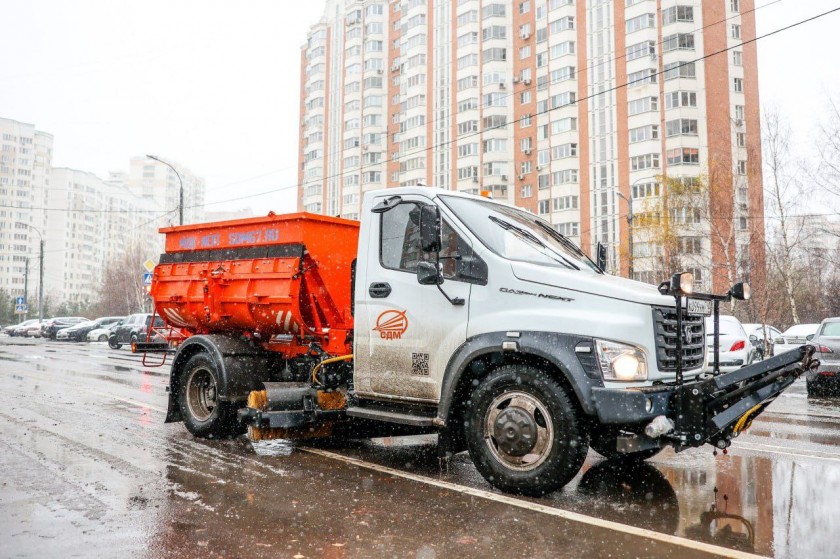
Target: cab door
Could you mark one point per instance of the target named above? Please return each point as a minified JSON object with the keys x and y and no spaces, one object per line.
{"x":406,"y":332}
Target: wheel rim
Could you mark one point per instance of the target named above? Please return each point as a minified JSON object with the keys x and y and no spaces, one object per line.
{"x":518,"y":430}
{"x":201,"y":394}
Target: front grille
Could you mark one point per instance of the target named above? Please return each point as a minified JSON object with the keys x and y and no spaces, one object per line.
{"x":665,"y":334}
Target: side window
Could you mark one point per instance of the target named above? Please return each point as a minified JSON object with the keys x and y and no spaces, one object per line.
{"x":399,"y":244}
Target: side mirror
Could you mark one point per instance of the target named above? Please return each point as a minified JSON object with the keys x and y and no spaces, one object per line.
{"x":740,"y":291}
{"x":428,"y":274}
{"x":429,"y":229}
{"x":810,"y":337}
{"x":601,"y":257}
{"x":753,"y":339}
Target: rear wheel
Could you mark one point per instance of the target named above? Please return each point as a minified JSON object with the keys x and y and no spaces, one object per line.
{"x":523,"y":432}
{"x":204,"y":414}
{"x":603,"y":441}
{"x":103,"y":338}
{"x":113,"y":344}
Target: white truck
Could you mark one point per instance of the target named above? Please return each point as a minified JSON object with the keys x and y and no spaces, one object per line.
{"x":467,"y":318}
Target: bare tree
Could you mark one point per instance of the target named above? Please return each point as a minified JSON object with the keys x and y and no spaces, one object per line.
{"x":784,"y":192}
{"x":123,"y":291}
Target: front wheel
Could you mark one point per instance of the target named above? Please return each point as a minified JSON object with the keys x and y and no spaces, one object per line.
{"x":103,"y":338}
{"x":204,"y":414}
{"x":113,"y":344}
{"x":603,"y":441}
{"x":523,"y":432}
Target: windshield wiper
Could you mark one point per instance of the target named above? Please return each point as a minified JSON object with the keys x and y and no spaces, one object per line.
{"x":564,"y":240}
{"x":525,"y":234}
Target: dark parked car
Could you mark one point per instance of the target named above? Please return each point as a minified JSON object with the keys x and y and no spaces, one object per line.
{"x":49,"y":328}
{"x":825,"y":381}
{"x":79,"y":332}
{"x":19,"y":329}
{"x":134,"y":329}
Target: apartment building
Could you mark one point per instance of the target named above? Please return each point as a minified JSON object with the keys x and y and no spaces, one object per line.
{"x":152,"y":179}
{"x":95,"y":222}
{"x":571,"y":109}
{"x":25,"y":166}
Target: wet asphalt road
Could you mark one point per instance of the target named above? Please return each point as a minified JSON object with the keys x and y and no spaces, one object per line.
{"x":89,"y":469}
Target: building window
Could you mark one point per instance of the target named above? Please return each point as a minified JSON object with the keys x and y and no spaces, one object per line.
{"x":641,"y":162}
{"x":739,"y":112}
{"x":681,"y":127}
{"x":639,"y":50}
{"x":643,"y":105}
{"x":643,"y":133}
{"x":678,"y":70}
{"x":735,"y":5}
{"x":648,"y":75}
{"x":675,"y":99}
{"x":493,"y":10}
{"x":544,"y":207}
{"x":525,"y":97}
{"x":527,"y":191}
{"x":524,"y":7}
{"x":737,"y":58}
{"x":677,"y":13}
{"x":738,"y":85}
{"x":644,"y":21}
{"x":678,"y":41}
{"x":741,"y":139}
{"x":683,"y":156}
{"x":741,"y":168}
{"x":735,"y":31}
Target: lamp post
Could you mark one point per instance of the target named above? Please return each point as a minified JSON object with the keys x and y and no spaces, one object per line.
{"x":180,"y":190}
{"x":40,"y":274}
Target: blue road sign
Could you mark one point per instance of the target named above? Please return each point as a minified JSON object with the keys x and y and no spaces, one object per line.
{"x":20,"y":308}
{"x":20,"y":300}
{"x":147,"y":279}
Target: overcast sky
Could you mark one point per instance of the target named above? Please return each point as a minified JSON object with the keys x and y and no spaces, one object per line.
{"x":215,"y":84}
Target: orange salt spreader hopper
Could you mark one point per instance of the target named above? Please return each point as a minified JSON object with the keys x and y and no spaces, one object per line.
{"x":283,"y":280}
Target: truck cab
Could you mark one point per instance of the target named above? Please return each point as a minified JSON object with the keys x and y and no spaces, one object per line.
{"x":455,"y":315}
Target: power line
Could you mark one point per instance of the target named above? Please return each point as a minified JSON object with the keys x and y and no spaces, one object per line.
{"x":69,"y":210}
{"x":538,"y":113}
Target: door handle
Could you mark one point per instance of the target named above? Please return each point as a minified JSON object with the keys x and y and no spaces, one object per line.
{"x":379,"y":289}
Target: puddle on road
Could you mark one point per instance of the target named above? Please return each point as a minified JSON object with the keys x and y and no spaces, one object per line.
{"x":278,"y":447}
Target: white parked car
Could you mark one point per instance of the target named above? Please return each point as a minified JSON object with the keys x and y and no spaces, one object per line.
{"x":101,"y":334}
{"x":794,"y":337}
{"x":736,"y":351}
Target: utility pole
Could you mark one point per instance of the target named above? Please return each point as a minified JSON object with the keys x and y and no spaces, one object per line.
{"x":629,"y":233}
{"x":40,"y":275}
{"x":180,"y":191}
{"x":26,"y":290}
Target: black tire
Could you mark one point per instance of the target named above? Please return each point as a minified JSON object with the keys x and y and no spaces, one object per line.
{"x":510,"y":389}
{"x":113,"y":344}
{"x":102,"y":338}
{"x":816,"y":389}
{"x":203,"y":414}
{"x":603,"y":441}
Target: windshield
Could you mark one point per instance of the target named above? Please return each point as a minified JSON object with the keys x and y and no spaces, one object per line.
{"x":518,"y":235}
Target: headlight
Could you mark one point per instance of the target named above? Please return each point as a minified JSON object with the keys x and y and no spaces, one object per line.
{"x":621,"y":362}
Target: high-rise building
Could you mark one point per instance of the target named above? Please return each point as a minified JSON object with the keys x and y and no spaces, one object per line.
{"x":94,"y":223}
{"x":152,"y":179}
{"x":572,"y":109}
{"x":25,"y":166}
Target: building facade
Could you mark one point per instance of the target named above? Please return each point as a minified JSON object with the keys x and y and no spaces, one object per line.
{"x":148,"y":178}
{"x":572,"y":109}
{"x":25,"y":168}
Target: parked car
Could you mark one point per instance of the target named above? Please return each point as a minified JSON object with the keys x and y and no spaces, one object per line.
{"x":825,"y":381}
{"x":762,"y":332}
{"x":735,"y":349}
{"x":794,"y":337}
{"x":134,"y":329}
{"x":50,"y":327}
{"x":102,"y":334}
{"x":33,"y":330}
{"x":18,"y":329}
{"x":79,"y":332}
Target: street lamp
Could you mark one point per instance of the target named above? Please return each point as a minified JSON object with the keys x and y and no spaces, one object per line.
{"x":180,"y":191}
{"x":40,"y":275}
